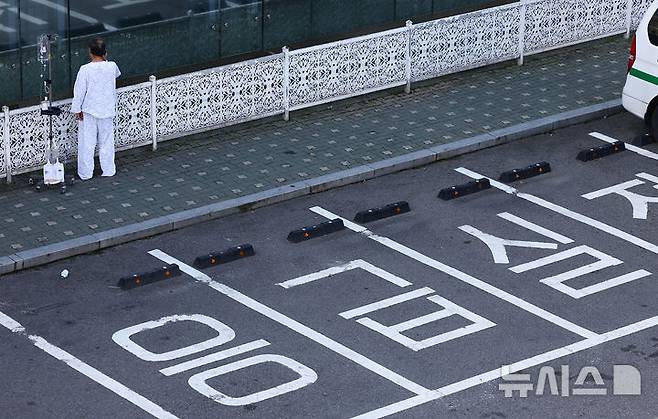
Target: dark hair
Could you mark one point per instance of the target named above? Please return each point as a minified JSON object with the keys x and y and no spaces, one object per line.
{"x":97,"y":47}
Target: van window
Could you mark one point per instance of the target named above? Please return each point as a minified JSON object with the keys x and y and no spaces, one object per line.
{"x":653,"y":29}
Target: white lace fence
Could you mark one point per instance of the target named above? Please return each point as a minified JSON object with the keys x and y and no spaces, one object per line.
{"x":173,"y":107}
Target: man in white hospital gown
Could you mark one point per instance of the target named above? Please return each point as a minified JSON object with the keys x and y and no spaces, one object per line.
{"x":94,"y":103}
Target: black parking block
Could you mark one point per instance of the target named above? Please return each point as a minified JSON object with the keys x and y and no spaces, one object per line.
{"x":526,"y":172}
{"x":225,"y":256}
{"x":138,"y":280}
{"x":458,"y":191}
{"x":382,"y":212}
{"x":602,"y":151}
{"x":310,"y":232}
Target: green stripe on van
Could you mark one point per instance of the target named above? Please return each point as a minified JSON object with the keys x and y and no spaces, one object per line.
{"x":644,"y":76}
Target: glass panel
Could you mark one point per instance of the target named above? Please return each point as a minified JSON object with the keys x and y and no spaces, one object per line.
{"x":460,"y":6}
{"x":286,"y":22}
{"x":375,"y":12}
{"x":241,"y":29}
{"x":409,"y":9}
{"x":333,"y":17}
{"x":10,"y":89}
{"x":37,"y":18}
{"x":146,"y":37}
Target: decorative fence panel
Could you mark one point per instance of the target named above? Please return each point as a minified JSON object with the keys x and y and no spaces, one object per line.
{"x":176,"y":106}
{"x":638,"y":7}
{"x":553,"y":24}
{"x":133,"y":121}
{"x":466,"y":41}
{"x":221,"y":96}
{"x":348,"y":68}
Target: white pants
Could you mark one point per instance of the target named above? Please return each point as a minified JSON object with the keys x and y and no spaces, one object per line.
{"x":91,"y":130}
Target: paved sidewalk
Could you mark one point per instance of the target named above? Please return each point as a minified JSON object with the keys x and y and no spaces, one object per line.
{"x":221,"y":165}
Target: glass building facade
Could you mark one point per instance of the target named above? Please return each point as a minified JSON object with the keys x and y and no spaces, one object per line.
{"x":165,"y":37}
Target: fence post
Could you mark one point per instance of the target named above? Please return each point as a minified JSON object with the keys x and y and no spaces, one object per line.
{"x":629,"y":18}
{"x":6,"y":142}
{"x":407,"y":88}
{"x":522,"y":20}
{"x":286,"y":84}
{"x":154,"y":113}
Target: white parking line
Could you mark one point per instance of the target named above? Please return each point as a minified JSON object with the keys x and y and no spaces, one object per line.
{"x":294,"y":325}
{"x":613,"y":189}
{"x":536,"y":228}
{"x":565,"y":212}
{"x":516,"y":367}
{"x":629,"y":147}
{"x":389,"y":302}
{"x":603,"y":262}
{"x":650,"y":178}
{"x":85,"y":369}
{"x":457,"y":274}
{"x":498,"y":246}
{"x":217,"y":356}
{"x":355,"y":264}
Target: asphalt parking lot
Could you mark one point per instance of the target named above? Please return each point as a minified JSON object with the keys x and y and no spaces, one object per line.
{"x":409,"y":316}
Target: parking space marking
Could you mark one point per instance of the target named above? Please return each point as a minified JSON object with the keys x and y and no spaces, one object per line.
{"x":217,"y":356}
{"x":640,"y":203}
{"x":650,"y":178}
{"x":536,"y":228}
{"x":122,"y":337}
{"x":86,"y":369}
{"x":558,"y":281}
{"x":565,"y":212}
{"x":457,"y":274}
{"x":603,"y":262}
{"x":294,"y":325}
{"x":498,"y":373}
{"x":620,"y":188}
{"x":389,"y":302}
{"x":497,"y":246}
{"x":394,"y":332}
{"x":629,"y":147}
{"x":602,"y":286}
{"x":355,"y":264}
{"x":306,"y":376}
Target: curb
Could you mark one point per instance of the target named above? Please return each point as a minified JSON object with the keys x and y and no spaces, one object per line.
{"x":94,"y":242}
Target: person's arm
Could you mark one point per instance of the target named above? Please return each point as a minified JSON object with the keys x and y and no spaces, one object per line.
{"x":79,"y":93}
{"x":118,"y":72}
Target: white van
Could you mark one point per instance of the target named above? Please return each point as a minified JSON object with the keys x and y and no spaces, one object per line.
{"x":640,"y":95}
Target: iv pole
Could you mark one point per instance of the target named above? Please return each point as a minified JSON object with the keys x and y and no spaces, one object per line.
{"x":53,"y":171}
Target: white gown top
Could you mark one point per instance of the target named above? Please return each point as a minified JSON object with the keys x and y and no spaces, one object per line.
{"x":95,"y":89}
